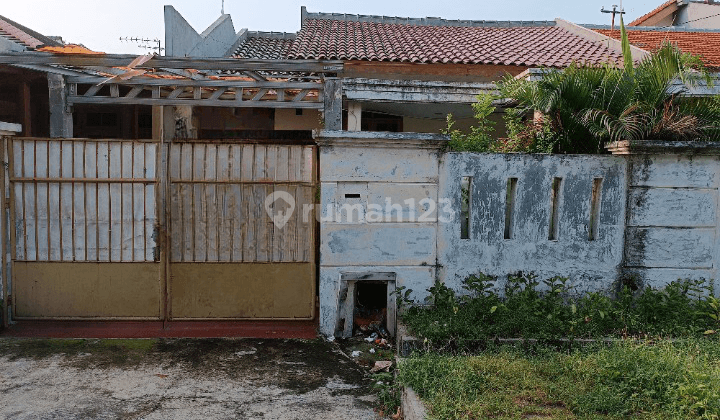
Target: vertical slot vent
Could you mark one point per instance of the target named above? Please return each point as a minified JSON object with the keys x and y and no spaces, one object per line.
{"x":554,"y":207}
{"x":595,"y":209}
{"x":510,"y":206}
{"x":465,"y":207}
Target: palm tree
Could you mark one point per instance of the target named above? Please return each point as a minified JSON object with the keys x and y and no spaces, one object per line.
{"x":584,"y":107}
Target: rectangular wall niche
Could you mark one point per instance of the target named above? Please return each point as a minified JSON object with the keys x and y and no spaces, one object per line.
{"x":366,"y":294}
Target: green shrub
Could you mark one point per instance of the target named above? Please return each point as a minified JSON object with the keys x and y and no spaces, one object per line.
{"x":549,"y":310}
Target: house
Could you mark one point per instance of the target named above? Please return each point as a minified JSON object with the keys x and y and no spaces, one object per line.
{"x":172,"y":206}
{"x":392,"y":82}
{"x":25,"y":92}
{"x":686,"y":14}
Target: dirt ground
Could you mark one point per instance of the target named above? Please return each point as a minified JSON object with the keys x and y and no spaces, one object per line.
{"x":180,"y":379}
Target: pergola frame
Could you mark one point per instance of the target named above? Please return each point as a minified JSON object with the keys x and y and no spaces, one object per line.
{"x":166,"y":81}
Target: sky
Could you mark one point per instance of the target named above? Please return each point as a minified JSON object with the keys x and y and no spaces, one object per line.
{"x":99,"y":24}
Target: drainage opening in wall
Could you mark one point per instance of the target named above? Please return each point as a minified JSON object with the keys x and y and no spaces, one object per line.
{"x":370,"y":314}
{"x":367,"y":305}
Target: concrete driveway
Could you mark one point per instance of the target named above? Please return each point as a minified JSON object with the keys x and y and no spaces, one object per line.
{"x":180,"y":379}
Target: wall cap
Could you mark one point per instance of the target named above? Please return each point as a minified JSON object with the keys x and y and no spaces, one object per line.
{"x":380,"y":139}
{"x":10,"y":128}
{"x":646,"y":147}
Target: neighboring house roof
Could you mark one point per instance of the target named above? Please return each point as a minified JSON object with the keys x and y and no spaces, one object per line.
{"x":22,"y":35}
{"x":705,"y":43}
{"x":431,"y":40}
{"x":265,"y":46}
{"x":666,"y":8}
{"x":68,"y":49}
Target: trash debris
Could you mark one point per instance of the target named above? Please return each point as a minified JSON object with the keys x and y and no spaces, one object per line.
{"x":372,"y":351}
{"x":381,"y":366}
{"x":356,"y":353}
{"x":372,"y":338}
{"x":331,"y":338}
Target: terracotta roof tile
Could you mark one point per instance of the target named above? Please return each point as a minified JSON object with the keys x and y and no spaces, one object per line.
{"x":263,"y":47}
{"x":22,"y":35}
{"x":639,"y":21}
{"x":374,"y":41}
{"x":68,"y":49}
{"x":705,"y":44}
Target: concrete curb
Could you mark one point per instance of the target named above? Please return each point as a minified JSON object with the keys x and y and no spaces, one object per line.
{"x":411,"y":406}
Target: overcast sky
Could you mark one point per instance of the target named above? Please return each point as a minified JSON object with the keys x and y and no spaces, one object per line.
{"x":99,"y":24}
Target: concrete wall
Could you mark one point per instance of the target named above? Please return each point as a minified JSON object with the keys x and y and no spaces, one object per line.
{"x":672,"y":222}
{"x":287,"y":119}
{"x":699,"y":16}
{"x":650,"y":211}
{"x":365,"y":169}
{"x":591,"y":263}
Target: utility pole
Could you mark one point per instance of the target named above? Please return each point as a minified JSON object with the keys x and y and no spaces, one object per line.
{"x":614,"y":12}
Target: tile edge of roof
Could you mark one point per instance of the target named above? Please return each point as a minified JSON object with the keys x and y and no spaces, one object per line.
{"x":424,"y":21}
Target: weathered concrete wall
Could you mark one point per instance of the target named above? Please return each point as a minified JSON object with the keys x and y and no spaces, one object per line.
{"x":360,"y":232}
{"x":649,"y":212}
{"x":593,"y":264}
{"x":672,"y":221}
{"x":182,"y":40}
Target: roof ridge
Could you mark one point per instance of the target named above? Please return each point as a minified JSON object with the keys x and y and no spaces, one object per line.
{"x":653,"y":28}
{"x":44,"y":40}
{"x":272,"y":35}
{"x":424,"y":21}
{"x":652,"y":13}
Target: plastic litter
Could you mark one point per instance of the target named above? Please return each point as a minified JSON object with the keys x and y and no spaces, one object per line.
{"x":381,"y":365}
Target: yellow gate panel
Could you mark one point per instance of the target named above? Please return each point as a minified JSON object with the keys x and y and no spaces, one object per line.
{"x":242,"y":291}
{"x":87,"y":290}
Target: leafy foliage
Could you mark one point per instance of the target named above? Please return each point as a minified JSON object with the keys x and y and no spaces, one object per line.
{"x":548,"y":310}
{"x":579,"y":109}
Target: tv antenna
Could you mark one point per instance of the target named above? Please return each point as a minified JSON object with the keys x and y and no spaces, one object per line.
{"x":145,"y":43}
{"x":614,"y":12}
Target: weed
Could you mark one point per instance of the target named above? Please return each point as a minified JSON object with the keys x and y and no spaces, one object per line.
{"x":549,"y":310}
{"x":678,"y":380}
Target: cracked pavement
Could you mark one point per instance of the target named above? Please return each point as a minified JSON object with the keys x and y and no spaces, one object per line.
{"x":180,"y":379}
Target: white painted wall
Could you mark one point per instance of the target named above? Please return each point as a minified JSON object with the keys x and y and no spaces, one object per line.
{"x":699,"y":16}
{"x":591,"y":264}
{"x":364,"y":169}
{"x":657,"y":218}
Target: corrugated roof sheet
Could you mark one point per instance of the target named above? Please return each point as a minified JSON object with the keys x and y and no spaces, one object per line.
{"x":703,"y":43}
{"x":499,"y":43}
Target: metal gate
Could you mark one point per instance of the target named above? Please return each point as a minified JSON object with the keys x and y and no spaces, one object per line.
{"x":121,"y":229}
{"x":232,"y":254}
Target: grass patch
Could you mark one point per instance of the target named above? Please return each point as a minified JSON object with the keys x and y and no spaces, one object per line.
{"x":664,"y":380}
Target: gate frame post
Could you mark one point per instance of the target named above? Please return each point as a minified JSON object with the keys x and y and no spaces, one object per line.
{"x":163,"y":242}
{"x":7,"y":235}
